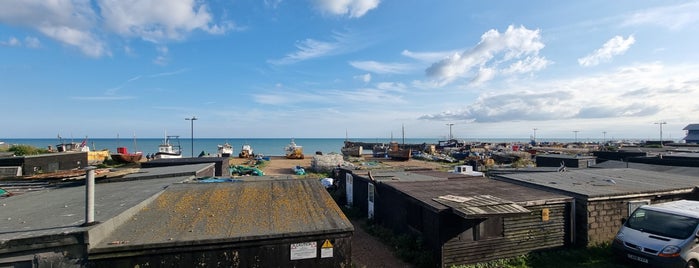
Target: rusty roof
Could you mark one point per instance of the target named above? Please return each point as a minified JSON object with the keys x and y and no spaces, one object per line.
{"x":230,"y":212}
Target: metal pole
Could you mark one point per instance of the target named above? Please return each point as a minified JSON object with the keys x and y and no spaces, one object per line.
{"x":450,"y":124}
{"x":90,"y":196}
{"x":192,"y":130}
{"x":661,"y":131}
{"x":576,"y":135}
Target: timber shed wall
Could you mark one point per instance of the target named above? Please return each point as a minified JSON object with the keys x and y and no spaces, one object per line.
{"x":521,"y":234}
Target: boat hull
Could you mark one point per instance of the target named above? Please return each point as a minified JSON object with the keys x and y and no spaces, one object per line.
{"x":127,"y":158}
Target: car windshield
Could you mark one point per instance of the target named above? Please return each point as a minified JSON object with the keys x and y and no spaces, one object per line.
{"x":661,"y":223}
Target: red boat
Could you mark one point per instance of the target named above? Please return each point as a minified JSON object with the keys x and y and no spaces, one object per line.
{"x":123,"y":156}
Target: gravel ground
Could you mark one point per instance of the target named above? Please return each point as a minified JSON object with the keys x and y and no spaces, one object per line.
{"x":367,"y":251}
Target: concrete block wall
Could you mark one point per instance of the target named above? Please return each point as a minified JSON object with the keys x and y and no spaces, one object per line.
{"x":604,"y":220}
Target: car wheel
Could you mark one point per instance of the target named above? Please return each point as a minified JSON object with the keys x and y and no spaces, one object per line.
{"x":692,"y":264}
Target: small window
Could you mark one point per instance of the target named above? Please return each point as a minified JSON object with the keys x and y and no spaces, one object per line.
{"x":633,"y":205}
{"x":489,"y":228}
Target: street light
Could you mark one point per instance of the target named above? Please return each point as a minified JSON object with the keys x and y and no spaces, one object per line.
{"x":192,"y":120}
{"x":576,"y":135}
{"x":535,"y":133}
{"x":450,"y":124}
{"x":661,"y":131}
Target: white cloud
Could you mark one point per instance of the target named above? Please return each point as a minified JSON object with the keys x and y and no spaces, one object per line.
{"x":381,"y":68}
{"x":354,"y":8}
{"x":517,"y":49}
{"x":673,"y":17}
{"x":77,"y":23}
{"x":32,"y":42}
{"x":12,"y":42}
{"x":311,"y":49}
{"x":615,"y":46}
{"x":648,"y":91}
{"x":428,"y":56}
{"x":162,"y":58}
{"x":366,"y":78}
{"x":159,"y":20}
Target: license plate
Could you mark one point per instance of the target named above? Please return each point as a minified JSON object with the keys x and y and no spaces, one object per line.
{"x":637,"y":258}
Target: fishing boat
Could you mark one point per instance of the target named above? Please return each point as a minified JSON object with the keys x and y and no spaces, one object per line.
{"x":245,"y":151}
{"x":351,"y":149}
{"x":123,"y":156}
{"x":398,"y":152}
{"x":168,"y":150}
{"x":379,"y":150}
{"x":293,"y":151}
{"x":225,"y":150}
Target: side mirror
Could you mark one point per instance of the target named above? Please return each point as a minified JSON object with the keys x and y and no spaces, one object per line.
{"x":696,"y":236}
{"x":623,"y":220}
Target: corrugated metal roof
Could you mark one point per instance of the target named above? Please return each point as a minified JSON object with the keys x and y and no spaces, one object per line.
{"x":480,"y":206}
{"x":404,"y":176}
{"x":228,"y":212}
{"x":606,"y":182}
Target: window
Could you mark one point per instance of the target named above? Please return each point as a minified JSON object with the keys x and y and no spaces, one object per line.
{"x":633,"y":205}
{"x":489,"y":228}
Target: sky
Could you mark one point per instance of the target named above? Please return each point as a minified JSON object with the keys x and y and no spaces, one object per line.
{"x":349,"y":68}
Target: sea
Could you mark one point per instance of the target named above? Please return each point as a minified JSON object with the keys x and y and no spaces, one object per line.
{"x":264,"y":146}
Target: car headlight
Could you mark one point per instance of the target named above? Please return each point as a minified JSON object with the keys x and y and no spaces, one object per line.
{"x":670,"y":251}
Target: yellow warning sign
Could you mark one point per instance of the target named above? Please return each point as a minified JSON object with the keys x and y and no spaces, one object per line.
{"x":327,"y":244}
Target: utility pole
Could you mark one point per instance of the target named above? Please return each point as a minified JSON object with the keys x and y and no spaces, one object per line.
{"x":192,"y":129}
{"x":661,"y":131}
{"x":450,"y":124}
{"x":604,"y":139}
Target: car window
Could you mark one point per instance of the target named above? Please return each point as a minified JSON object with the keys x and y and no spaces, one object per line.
{"x":661,"y":223}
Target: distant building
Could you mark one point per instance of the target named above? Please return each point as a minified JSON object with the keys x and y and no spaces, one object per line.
{"x":692,"y":133}
{"x":565,"y":160}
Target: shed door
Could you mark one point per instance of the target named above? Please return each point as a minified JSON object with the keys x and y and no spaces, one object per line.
{"x":370,"y":202}
{"x":348,"y":186}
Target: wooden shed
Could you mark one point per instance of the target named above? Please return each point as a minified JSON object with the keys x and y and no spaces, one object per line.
{"x":603,"y":197}
{"x":46,"y":163}
{"x":462,"y":219}
{"x":571,"y":161}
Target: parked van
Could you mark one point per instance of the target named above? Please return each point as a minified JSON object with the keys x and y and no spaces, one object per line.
{"x":661,"y":235}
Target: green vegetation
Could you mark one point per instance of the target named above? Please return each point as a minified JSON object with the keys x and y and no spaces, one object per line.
{"x":594,"y":256}
{"x":409,"y":248}
{"x":22,"y":149}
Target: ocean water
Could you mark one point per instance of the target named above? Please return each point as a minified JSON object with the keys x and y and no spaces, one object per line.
{"x":265,"y":146}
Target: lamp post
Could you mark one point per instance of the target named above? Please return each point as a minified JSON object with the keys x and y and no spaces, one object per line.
{"x":604,"y":139}
{"x":450,"y":124}
{"x":661,"y":131}
{"x":534,"y":133}
{"x":576,"y":135}
{"x":191,"y":119}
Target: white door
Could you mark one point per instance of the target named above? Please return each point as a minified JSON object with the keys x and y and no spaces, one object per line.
{"x":348,"y":187}
{"x":370,"y":195}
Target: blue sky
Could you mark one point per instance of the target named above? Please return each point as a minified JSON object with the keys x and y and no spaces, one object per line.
{"x":362,"y":68}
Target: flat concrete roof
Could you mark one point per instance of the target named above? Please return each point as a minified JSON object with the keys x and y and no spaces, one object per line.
{"x":591,"y":183}
{"x":62,"y":210}
{"x":400,"y":175}
{"x":199,"y":213}
{"x":426,"y":191}
{"x":687,"y":171}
